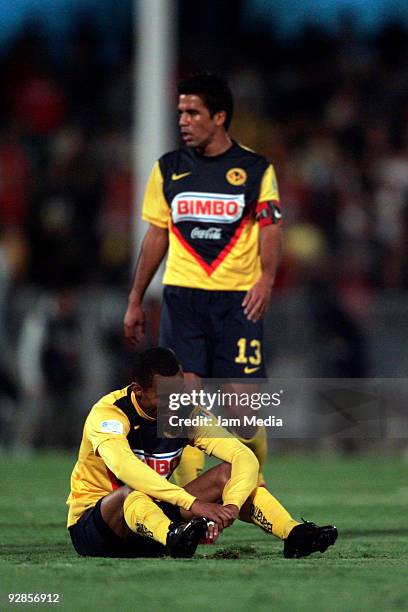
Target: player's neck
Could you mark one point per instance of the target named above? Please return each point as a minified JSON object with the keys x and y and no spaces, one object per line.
{"x":143,"y":406}
{"x":217,"y":146}
{"x":148,"y":410}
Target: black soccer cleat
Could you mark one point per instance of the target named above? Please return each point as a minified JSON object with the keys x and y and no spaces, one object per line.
{"x":307,"y":538}
{"x":182,"y":540}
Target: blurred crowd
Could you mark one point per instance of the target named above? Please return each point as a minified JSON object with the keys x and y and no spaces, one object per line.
{"x":65,"y":200}
{"x":330,"y":110}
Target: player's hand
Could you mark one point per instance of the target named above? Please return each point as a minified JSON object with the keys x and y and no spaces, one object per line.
{"x":256,"y":300}
{"x":215,"y":512}
{"x":134,"y":323}
{"x":233,"y":512}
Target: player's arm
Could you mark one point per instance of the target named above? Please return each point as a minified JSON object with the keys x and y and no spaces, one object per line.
{"x":107,"y":428}
{"x":257,"y":299}
{"x":156,"y":212}
{"x":218,"y":442}
{"x":269,"y":218}
{"x":151,"y":255}
{"x":118,"y":457}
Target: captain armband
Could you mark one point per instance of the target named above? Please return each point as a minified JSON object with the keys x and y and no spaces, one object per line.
{"x":268,"y":213}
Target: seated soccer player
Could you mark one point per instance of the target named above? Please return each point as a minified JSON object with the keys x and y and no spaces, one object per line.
{"x":121,"y":503}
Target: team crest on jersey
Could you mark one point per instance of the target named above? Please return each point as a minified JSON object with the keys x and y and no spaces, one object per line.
{"x":236,"y":176}
{"x":207,"y":207}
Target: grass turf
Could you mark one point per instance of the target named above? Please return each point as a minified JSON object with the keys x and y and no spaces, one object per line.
{"x":245,"y":570}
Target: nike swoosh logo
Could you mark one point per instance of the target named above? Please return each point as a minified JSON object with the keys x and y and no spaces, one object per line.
{"x":176,"y":177}
{"x":251,"y":370}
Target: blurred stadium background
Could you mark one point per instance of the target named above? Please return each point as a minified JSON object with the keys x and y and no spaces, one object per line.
{"x":321,"y":89}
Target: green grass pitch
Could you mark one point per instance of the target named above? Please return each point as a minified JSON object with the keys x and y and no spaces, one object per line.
{"x":367,"y":569}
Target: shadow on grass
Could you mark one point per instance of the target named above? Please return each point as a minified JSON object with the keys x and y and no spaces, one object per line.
{"x":238,"y":552}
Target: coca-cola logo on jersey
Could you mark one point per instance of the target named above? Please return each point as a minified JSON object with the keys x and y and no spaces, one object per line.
{"x":211,"y":233}
{"x":207,"y":207}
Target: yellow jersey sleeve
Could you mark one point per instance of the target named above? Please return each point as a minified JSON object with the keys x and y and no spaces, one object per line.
{"x":106,"y":423}
{"x":269,"y":186}
{"x":155,"y":209}
{"x":220,"y":443}
{"x":106,"y":428}
{"x":118,"y":457}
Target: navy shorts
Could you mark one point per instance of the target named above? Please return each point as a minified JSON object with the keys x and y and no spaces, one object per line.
{"x":210,"y":333}
{"x":92,"y":537}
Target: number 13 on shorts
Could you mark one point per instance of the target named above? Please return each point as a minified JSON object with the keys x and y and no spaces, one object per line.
{"x":249,"y":352}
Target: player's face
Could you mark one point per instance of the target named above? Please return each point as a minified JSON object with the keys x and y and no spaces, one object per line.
{"x":156,"y":397}
{"x":198,"y":129}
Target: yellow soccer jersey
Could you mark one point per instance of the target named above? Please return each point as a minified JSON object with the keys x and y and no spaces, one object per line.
{"x":209,"y":205}
{"x":120,"y":445}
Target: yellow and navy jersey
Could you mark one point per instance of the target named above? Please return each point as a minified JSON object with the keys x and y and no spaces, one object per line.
{"x":120,"y":445}
{"x":209,"y":205}
{"x":117,"y":416}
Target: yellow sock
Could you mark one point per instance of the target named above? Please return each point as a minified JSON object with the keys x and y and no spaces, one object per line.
{"x":259,"y":446}
{"x":145,"y":518}
{"x":266,"y":512}
{"x":190,"y":466}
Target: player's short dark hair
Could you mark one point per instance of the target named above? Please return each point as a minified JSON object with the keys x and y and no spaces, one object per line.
{"x":213,"y":90}
{"x":158,"y":360}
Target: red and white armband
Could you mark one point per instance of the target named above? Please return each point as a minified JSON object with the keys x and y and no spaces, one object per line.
{"x":268,"y":213}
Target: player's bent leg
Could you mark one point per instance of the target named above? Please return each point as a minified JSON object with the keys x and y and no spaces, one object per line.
{"x":209,"y":486}
{"x":142,"y":529}
{"x":107,"y":535}
{"x":112,"y":511}
{"x":265,"y":511}
{"x":146,"y":518}
{"x":259,"y":446}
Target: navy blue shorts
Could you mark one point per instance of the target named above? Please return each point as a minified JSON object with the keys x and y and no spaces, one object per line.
{"x":92,"y":537}
{"x":210,"y":333}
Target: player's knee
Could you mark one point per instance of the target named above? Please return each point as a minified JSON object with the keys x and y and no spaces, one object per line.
{"x":125,"y":491}
{"x":224,"y":473}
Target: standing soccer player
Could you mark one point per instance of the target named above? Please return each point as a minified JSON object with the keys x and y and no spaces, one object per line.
{"x":214,"y":205}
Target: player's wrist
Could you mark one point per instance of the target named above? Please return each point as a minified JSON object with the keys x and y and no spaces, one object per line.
{"x":233,"y":509}
{"x":196,"y":505}
{"x":232,"y":506}
{"x":135,"y":300}
{"x":268,"y":277}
